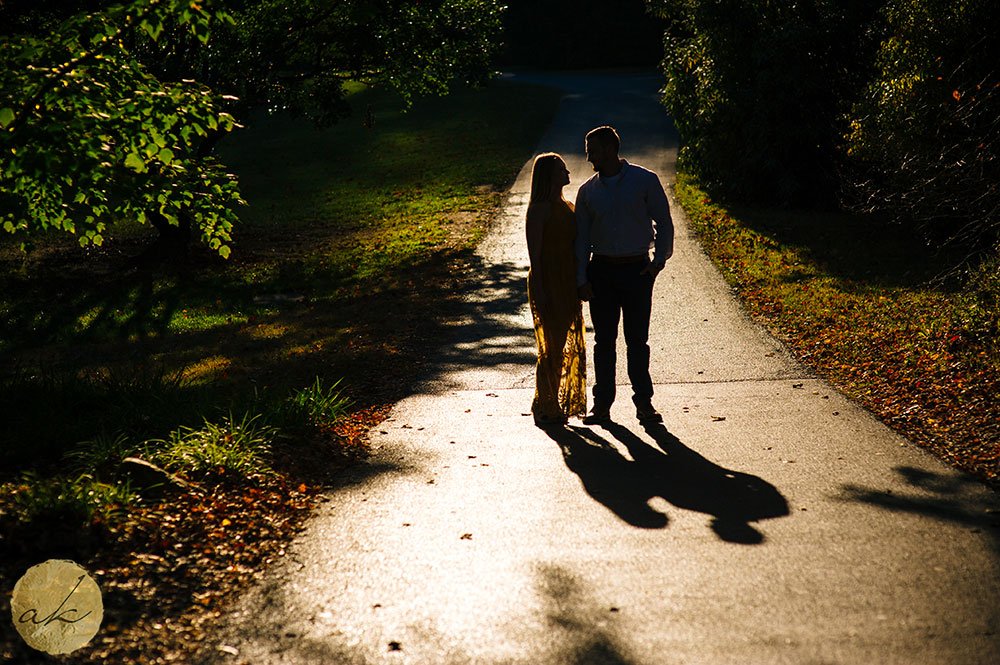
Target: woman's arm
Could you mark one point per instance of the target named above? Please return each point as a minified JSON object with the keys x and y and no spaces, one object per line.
{"x":534,"y":230}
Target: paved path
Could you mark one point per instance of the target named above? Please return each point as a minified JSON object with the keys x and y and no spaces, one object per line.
{"x":768,"y":521}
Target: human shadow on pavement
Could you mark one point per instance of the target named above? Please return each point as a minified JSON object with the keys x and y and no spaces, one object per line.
{"x":676,"y":473}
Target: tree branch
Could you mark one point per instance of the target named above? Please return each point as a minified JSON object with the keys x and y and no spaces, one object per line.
{"x":52,"y":80}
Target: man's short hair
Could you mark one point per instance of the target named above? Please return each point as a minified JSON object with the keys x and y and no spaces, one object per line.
{"x":605,"y":135}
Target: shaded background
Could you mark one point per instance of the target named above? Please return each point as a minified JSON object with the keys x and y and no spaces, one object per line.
{"x":575,"y":34}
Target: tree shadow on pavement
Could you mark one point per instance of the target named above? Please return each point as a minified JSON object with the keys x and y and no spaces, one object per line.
{"x":947,"y":497}
{"x":270,"y":628}
{"x":583,"y":632}
{"x":676,"y":473}
{"x":486,"y":331}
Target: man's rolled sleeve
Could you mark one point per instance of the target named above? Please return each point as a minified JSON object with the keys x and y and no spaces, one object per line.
{"x":659,"y":210}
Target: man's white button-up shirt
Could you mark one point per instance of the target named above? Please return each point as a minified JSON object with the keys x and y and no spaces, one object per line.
{"x":616,"y":217}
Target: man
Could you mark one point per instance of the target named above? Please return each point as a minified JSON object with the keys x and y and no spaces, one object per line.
{"x":615,"y":215}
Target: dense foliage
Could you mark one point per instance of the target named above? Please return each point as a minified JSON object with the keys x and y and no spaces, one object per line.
{"x":298,"y":57}
{"x":756,"y":89}
{"x":88,"y":134}
{"x":114,"y":112}
{"x":890,"y":109}
{"x":887,"y":106}
{"x":924,"y":139}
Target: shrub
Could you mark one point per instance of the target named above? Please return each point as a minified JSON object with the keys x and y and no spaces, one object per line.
{"x":924,"y":139}
{"x":314,"y":406}
{"x":978,"y":306}
{"x":72,"y":500}
{"x":755,"y":88}
{"x":241,"y":446}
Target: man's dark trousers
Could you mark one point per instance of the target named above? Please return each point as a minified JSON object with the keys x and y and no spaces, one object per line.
{"x":620,"y":293}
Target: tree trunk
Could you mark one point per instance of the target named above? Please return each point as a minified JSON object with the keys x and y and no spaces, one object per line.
{"x":175,"y":239}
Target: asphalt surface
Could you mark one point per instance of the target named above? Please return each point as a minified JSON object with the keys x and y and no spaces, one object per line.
{"x":769,"y":520}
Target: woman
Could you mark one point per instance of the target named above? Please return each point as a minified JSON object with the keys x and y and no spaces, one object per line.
{"x":560,"y":375}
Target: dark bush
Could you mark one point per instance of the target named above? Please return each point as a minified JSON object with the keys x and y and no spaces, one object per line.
{"x":923,"y":139}
{"x":757,"y":87}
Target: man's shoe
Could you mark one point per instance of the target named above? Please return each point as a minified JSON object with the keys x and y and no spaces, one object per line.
{"x":597,"y":416}
{"x":647,"y":414}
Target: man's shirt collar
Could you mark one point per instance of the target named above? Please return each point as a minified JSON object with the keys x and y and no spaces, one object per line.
{"x":615,"y":178}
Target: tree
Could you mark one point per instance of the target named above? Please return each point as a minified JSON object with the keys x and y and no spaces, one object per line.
{"x":297,"y":57}
{"x":924,"y":138}
{"x":757,"y":88}
{"x":89,"y":135}
{"x":293,"y":57}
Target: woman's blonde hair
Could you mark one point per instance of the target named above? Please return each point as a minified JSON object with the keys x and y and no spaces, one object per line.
{"x":542,"y":171}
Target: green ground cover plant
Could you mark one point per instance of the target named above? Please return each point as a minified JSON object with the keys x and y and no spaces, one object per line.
{"x":873,"y":310}
{"x":252,"y":377}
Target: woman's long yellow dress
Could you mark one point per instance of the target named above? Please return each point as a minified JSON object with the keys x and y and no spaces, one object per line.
{"x":560,"y":374}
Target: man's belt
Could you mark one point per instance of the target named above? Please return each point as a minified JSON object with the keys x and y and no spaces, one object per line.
{"x":616,"y":260}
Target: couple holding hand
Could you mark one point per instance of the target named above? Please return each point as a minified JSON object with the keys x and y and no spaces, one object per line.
{"x":597,"y":250}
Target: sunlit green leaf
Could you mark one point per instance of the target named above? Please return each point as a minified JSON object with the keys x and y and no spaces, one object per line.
{"x":135,"y":162}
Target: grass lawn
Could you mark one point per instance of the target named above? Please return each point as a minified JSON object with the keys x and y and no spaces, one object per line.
{"x":253,"y":377}
{"x":871,"y":309}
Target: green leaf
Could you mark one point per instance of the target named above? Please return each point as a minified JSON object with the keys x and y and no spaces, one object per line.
{"x":154,"y":30}
{"x":135,"y":162}
{"x":224,"y":251}
{"x":165,"y":155}
{"x":6,"y":116}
